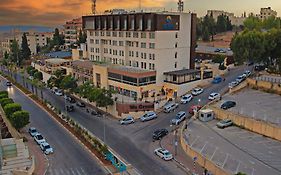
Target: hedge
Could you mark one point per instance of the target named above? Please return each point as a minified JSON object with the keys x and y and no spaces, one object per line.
{"x":5,"y":101}
{"x":4,"y":96}
{"x":20,"y":119}
{"x":3,"y":92}
{"x":11,"y":108}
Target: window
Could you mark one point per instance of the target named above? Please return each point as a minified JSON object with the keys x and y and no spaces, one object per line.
{"x":137,"y":44}
{"x":135,"y":34}
{"x":176,"y":45}
{"x":176,"y":55}
{"x":92,"y":41}
{"x":176,"y":35}
{"x":141,"y":55}
{"x":114,"y":43}
{"x":96,"y":33}
{"x":142,"y":65}
{"x":132,"y":53}
{"x":128,"y":34}
{"x":121,"y":43}
{"x":132,"y":23}
{"x":114,"y":34}
{"x":176,"y":64}
{"x":97,"y":41}
{"x":130,"y":63}
{"x":107,"y":33}
{"x":143,"y":35}
{"x":121,"y":34}
{"x":143,"y":45}
{"x":137,"y":54}
{"x":144,"y":55}
{"x":91,"y":33}
{"x":153,"y":66}
{"x":151,"y":45}
{"x":148,"y":24}
{"x":151,"y":35}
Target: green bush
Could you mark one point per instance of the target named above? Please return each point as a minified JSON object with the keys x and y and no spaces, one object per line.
{"x":4,"y":96}
{"x":5,"y":101}
{"x":20,"y":119}
{"x":3,"y":92}
{"x":11,"y":108}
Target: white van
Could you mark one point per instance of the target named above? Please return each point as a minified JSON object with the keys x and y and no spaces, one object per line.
{"x":170,"y":107}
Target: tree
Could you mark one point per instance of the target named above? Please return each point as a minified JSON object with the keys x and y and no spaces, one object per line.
{"x":270,"y":23}
{"x":218,"y":59}
{"x":6,"y":55}
{"x":104,"y":99}
{"x":252,"y":23}
{"x":25,"y":51}
{"x":205,"y":34}
{"x":19,"y":119}
{"x":4,"y":92}
{"x":11,"y":108}
{"x":29,"y":70}
{"x":38,"y":75}
{"x":5,"y":101}
{"x":68,"y":83}
{"x":15,"y":52}
{"x":221,"y":24}
{"x":3,"y":96}
{"x":229,"y":26}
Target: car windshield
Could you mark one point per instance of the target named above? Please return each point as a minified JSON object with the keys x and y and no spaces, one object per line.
{"x":225,"y":121}
{"x":167,"y":153}
{"x":39,"y":137}
{"x":32,"y":130}
{"x":184,"y":98}
{"x":178,"y":117}
{"x":47,"y":146}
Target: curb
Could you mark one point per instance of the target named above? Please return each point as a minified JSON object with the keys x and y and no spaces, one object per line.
{"x":28,"y":96}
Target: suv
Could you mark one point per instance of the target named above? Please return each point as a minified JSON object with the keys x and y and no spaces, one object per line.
{"x":39,"y":139}
{"x":170,"y":107}
{"x":46,"y":148}
{"x":197,"y":91}
{"x":32,"y":131}
{"x":159,"y":133}
{"x":148,"y":116}
{"x":187,"y":98}
{"x":163,"y":153}
{"x":228,"y":104}
{"x":224,"y":123}
{"x":179,"y":118}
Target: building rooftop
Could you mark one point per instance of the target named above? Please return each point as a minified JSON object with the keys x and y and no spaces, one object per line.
{"x":182,"y":72}
{"x":129,"y":69}
{"x":83,"y":63}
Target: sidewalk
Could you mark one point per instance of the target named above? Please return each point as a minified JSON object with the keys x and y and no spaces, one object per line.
{"x":41,"y":161}
{"x":181,"y":157}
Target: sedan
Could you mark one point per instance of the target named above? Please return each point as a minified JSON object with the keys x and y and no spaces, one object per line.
{"x":127,"y":120}
{"x":224,"y":123}
{"x":159,"y":133}
{"x":80,"y":104}
{"x":187,"y":98}
{"x":179,"y":118}
{"x":148,"y":116}
{"x":197,"y":91}
{"x":59,"y":92}
{"x":32,"y":131}
{"x":214,"y":96}
{"x":233,"y":84}
{"x":228,"y":104}
{"x":39,"y":138}
{"x":46,"y":148}
{"x":163,"y":154}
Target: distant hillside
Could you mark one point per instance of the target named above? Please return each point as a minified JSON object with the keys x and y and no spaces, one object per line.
{"x":26,"y":28}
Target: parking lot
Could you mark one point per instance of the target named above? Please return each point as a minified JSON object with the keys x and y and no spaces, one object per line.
{"x":235,"y":149}
{"x":256,"y":104}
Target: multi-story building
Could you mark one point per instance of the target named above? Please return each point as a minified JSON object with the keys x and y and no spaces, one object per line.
{"x":34,"y":39}
{"x":235,"y":20}
{"x":71,"y":31}
{"x":139,"y":52}
{"x":266,"y":12}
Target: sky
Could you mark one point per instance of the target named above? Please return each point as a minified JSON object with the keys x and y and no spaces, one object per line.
{"x":55,"y":12}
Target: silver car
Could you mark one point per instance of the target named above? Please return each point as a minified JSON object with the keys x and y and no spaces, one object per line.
{"x":224,"y":123}
{"x":170,"y":107}
{"x":148,"y":116}
{"x":179,"y":118}
{"x":127,"y":120}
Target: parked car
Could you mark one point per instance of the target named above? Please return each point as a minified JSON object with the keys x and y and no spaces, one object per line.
{"x":240,"y":78}
{"x":259,"y":67}
{"x":217,"y":80}
{"x":214,"y":96}
{"x":159,"y":133}
{"x":186,"y":98}
{"x":46,"y":148}
{"x":8,"y":83}
{"x":69,"y":99}
{"x":127,"y":120}
{"x":163,"y":154}
{"x":194,"y":108}
{"x":179,"y":118}
{"x":93,"y":112}
{"x":228,"y":104}
{"x":233,"y":84}
{"x":59,"y":92}
{"x":32,"y":131}
{"x":69,"y":108}
{"x":39,"y":138}
{"x":224,"y":123}
{"x":81,"y":104}
{"x":148,"y":116}
{"x":217,"y":50}
{"x":170,"y":107}
{"x":54,"y":89}
{"x":248,"y":73}
{"x":197,"y":91}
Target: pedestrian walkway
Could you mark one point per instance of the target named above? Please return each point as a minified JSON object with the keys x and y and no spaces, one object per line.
{"x":186,"y":162}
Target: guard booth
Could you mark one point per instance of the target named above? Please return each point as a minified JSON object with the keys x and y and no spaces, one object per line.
{"x":116,"y":161}
{"x":206,"y":115}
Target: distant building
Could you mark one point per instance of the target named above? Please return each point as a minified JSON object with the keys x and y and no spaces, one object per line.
{"x":71,"y":31}
{"x":237,"y":21}
{"x":266,"y":12}
{"x":34,"y":39}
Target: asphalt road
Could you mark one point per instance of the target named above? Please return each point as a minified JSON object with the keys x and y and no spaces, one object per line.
{"x":134,"y":142}
{"x":69,"y":156}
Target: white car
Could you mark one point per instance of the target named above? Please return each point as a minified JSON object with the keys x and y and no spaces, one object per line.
{"x":32,"y":131}
{"x":163,"y":154}
{"x":179,"y":118}
{"x":233,"y":84}
{"x":127,"y":120}
{"x":240,"y":78}
{"x":214,"y":96}
{"x":148,"y":116}
{"x":59,"y":92}
{"x":224,"y":123}
{"x":186,"y":98}
{"x":170,"y":107}
{"x":39,"y":139}
{"x":197,"y":91}
{"x":248,"y":73}
{"x":46,"y":148}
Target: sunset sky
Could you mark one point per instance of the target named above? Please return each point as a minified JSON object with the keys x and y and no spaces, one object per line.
{"x":55,"y":12}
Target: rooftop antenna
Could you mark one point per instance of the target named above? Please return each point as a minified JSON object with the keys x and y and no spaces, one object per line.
{"x":94,"y":6}
{"x":180,"y":6}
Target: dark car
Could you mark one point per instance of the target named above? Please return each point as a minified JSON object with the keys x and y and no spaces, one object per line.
{"x":80,"y":104}
{"x":71,"y":100}
{"x":228,"y":104}
{"x":70,"y":108}
{"x":159,"y":133}
{"x":259,"y":67}
{"x":8,"y":83}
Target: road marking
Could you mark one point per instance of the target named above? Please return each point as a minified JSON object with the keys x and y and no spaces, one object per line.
{"x":214,"y":153}
{"x":194,"y":141}
{"x":72,"y":171}
{"x":225,"y":159}
{"x":76,"y":169}
{"x":238,"y":166}
{"x":83,"y":170}
{"x":203,"y":147}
